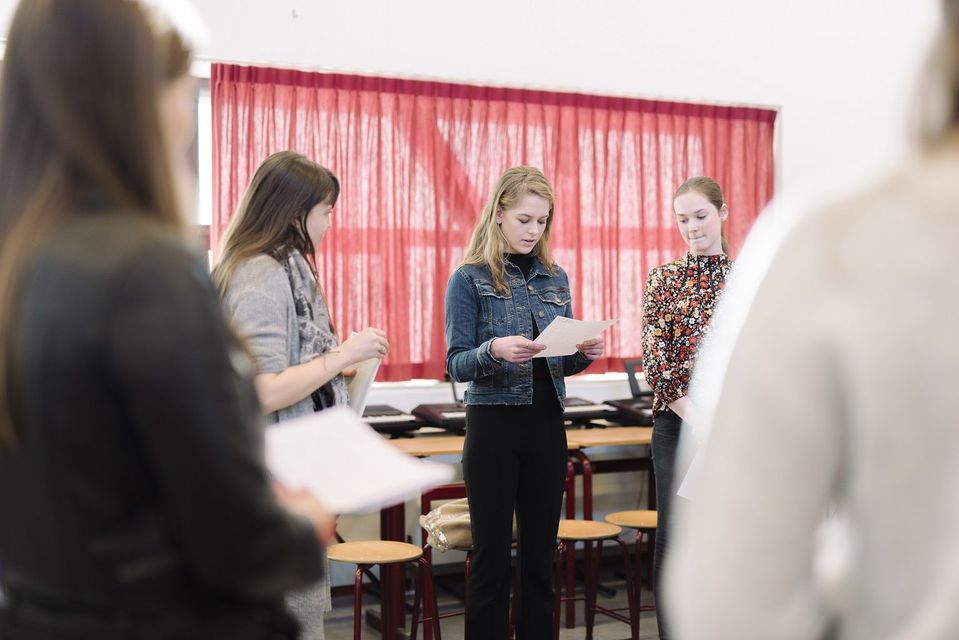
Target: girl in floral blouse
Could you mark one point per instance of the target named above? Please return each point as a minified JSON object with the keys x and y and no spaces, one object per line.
{"x":678,"y":306}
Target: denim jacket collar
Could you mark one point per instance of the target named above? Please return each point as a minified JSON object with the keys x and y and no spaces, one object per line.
{"x":539,"y":269}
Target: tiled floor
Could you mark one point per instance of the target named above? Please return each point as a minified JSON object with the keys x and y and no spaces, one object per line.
{"x":339,"y":623}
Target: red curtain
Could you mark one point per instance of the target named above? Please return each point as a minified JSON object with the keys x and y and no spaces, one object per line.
{"x":417,"y":159}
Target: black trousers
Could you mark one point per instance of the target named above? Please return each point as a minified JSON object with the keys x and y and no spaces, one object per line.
{"x":666,"y":427}
{"x":514,"y":458}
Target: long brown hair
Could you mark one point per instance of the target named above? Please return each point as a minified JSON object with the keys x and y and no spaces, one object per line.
{"x":709,"y":189}
{"x":488,"y":244}
{"x":79,"y":128}
{"x":271,"y":216}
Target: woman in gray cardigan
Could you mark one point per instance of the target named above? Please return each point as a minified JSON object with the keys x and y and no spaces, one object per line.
{"x":271,"y":292}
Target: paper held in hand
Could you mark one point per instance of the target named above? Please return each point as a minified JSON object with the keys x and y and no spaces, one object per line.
{"x":563,"y":334}
{"x":348,"y":467}
{"x":359,"y":385}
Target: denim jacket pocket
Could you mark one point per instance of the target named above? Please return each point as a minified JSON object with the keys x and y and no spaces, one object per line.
{"x":495,"y":309}
{"x":496,"y":322}
{"x":555,"y":301}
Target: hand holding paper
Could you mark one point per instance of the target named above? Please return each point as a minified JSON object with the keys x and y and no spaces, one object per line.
{"x":359,"y":384}
{"x":304,"y":503}
{"x":365,"y":344}
{"x":593,"y":348}
{"x":563,"y":335}
{"x":515,"y":348}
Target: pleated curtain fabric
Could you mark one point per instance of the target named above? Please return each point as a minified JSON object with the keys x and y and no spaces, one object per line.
{"x":417,"y":159}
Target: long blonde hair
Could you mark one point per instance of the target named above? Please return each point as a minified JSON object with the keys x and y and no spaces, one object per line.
{"x":488,"y":244}
{"x":79,"y":127}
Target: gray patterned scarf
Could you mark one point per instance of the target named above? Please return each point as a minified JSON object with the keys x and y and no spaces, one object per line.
{"x":315,"y":327}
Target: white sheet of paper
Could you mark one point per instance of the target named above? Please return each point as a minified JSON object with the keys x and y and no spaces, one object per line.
{"x":349,"y":467}
{"x":563,"y":334}
{"x":359,"y":385}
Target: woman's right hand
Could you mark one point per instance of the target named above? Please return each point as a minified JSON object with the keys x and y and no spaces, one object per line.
{"x":366,"y":344}
{"x":304,"y":503}
{"x":515,"y":348}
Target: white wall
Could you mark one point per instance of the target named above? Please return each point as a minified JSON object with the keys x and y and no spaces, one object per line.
{"x":840,"y":70}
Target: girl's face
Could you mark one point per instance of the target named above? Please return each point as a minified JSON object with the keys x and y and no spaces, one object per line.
{"x":318,"y":221}
{"x":700,"y":223}
{"x":524,"y":224}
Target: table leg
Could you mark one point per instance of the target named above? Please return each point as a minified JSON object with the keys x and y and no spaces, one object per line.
{"x":587,"y":469}
{"x":392,"y":576}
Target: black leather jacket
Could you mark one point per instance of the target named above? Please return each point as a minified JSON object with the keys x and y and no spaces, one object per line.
{"x":138,"y":490}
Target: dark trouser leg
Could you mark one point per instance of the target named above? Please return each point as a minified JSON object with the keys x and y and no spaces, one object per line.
{"x":490,"y":470}
{"x":665,"y":442}
{"x":538,"y":508}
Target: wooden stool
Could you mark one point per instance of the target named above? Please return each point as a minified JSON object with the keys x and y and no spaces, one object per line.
{"x":588,"y":531}
{"x":368,"y":553}
{"x":644,"y":521}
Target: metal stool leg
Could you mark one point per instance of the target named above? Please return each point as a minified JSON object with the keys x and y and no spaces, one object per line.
{"x":652,"y":569}
{"x":357,"y":600}
{"x":425,"y":594}
{"x":417,"y":598}
{"x":558,"y":587}
{"x":638,"y":566}
{"x":429,"y":596}
{"x":632,"y":590}
{"x":570,"y":559}
{"x":466,"y":591}
{"x":591,"y":580}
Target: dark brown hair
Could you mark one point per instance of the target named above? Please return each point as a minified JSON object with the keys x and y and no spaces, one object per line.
{"x":271,"y":216}
{"x":79,"y":128}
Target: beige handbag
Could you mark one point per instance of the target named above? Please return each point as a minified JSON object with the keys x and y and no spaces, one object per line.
{"x":448,"y":526}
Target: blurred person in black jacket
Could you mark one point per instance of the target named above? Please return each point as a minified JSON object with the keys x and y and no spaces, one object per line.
{"x":133,"y":496}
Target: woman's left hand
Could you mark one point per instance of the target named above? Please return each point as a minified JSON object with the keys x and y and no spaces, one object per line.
{"x":592,"y":348}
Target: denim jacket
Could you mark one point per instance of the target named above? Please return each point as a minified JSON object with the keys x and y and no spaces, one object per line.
{"x":476,"y":313}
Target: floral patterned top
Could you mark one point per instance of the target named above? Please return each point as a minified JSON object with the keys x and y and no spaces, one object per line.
{"x":678,"y":306}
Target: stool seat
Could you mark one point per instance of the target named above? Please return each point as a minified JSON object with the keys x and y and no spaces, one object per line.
{"x":637,"y":519}
{"x":586,"y":530}
{"x":374,"y":552}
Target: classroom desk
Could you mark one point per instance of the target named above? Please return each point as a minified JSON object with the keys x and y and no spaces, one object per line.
{"x":610,"y":436}
{"x":424,"y":446}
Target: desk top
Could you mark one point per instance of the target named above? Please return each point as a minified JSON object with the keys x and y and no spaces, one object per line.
{"x":430,"y":445}
{"x":423,"y":446}
{"x":608,"y":437}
